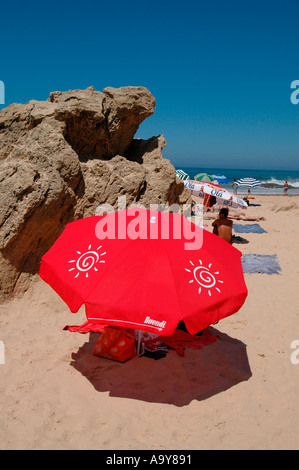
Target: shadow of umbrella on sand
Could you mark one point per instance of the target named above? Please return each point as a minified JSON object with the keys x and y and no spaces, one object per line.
{"x":175,"y":380}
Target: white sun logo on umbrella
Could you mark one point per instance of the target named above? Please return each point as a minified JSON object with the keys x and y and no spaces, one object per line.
{"x":205,"y":277}
{"x":87,"y":261}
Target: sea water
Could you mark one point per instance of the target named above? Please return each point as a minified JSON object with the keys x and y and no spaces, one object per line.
{"x":272,"y":180}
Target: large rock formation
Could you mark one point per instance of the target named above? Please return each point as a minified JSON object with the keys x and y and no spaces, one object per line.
{"x":61,"y":158}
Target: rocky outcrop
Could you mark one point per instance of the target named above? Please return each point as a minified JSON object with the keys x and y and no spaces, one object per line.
{"x":63,"y":157}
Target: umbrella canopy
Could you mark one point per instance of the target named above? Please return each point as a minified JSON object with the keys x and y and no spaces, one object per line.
{"x":223,"y":196}
{"x":145,"y":282}
{"x":221,"y":179}
{"x":204,"y":177}
{"x":182,"y":175}
{"x":249,"y":182}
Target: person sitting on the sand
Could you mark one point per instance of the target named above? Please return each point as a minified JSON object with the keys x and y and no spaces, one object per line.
{"x":211,"y":202}
{"x":223,"y":226}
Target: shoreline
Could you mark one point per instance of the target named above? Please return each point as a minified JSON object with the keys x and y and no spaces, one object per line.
{"x":268,"y":194}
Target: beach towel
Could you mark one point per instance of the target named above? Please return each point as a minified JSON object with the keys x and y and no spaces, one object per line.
{"x":86,"y":327}
{"x":181,"y":340}
{"x":248,"y":228}
{"x":254,"y":263}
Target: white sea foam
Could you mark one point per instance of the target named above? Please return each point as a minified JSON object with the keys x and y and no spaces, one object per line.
{"x":294,"y":183}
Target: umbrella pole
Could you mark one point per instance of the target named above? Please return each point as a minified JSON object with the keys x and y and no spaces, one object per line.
{"x":206,"y":202}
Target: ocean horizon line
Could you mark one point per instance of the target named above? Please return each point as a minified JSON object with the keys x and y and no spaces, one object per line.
{"x":272,"y":181}
{"x":236,"y":168}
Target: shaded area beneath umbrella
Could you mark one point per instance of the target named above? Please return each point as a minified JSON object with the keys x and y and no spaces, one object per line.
{"x":198,"y":375}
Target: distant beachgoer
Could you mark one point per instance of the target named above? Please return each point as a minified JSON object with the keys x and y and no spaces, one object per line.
{"x":239,"y":216}
{"x":210,"y":204}
{"x":213,"y":201}
{"x":286,"y":187}
{"x":223,"y":226}
{"x":248,"y":191}
{"x":236,"y":214}
{"x":195,"y":209}
{"x":235,"y":187}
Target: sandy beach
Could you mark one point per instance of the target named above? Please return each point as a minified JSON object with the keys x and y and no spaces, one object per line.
{"x":240,"y":392}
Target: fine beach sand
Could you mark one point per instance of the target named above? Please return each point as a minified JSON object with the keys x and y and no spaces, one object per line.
{"x":240,"y":392}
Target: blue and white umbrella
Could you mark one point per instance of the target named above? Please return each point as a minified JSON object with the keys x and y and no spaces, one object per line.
{"x":221,"y":179}
{"x":249,"y":182}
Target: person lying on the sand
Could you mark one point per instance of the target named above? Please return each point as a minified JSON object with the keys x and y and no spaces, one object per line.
{"x":241,"y":216}
{"x":223,"y":226}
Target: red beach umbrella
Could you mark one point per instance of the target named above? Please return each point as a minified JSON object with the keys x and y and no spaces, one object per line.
{"x":145,"y":270}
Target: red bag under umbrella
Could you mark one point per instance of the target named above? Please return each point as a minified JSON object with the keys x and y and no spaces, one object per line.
{"x":115,"y":343}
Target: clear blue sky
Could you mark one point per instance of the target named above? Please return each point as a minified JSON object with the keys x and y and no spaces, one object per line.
{"x":220,"y":70}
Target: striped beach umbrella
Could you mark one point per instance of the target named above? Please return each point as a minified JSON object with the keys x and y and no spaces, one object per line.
{"x":182,"y":175}
{"x":204,"y":177}
{"x":206,"y":190}
{"x":249,"y":182}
